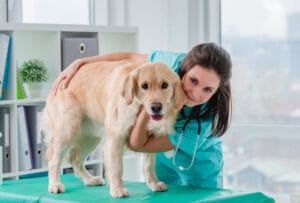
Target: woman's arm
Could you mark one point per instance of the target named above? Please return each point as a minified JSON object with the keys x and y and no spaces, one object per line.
{"x":141,"y":141}
{"x":66,"y":76}
{"x":112,"y":57}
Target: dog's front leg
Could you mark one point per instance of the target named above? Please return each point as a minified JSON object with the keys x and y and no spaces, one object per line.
{"x":113,"y":161}
{"x":149,"y":172}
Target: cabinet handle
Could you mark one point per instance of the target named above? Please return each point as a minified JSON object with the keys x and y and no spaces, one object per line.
{"x":82,"y":48}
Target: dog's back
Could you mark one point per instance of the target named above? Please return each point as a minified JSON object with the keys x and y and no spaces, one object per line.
{"x":92,"y":87}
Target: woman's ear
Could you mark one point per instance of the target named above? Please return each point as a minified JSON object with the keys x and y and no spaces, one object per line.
{"x":179,"y":96}
{"x":129,"y":87}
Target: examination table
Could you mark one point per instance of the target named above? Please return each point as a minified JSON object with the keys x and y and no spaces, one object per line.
{"x":36,"y":190}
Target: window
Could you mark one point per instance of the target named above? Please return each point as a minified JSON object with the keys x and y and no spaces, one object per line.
{"x":56,"y":11}
{"x":260,"y":150}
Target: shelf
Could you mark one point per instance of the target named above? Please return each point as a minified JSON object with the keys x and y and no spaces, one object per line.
{"x":31,"y":101}
{"x":44,"y":42}
{"x":6,"y":102}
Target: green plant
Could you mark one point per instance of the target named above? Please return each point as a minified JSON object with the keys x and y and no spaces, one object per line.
{"x":33,"y":70}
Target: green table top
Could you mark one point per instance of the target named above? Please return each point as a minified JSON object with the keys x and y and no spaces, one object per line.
{"x":35,"y":190}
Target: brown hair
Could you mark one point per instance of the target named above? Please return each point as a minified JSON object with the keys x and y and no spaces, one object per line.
{"x":214,"y":57}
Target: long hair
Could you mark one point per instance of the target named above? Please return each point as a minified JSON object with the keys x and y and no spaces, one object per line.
{"x":213,"y":57}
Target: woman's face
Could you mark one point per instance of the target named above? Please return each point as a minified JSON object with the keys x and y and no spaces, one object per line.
{"x":199,"y":85}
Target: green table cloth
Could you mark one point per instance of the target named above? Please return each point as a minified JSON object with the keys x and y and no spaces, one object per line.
{"x":35,"y":190}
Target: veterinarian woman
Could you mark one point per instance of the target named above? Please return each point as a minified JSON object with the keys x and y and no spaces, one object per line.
{"x":193,"y":154}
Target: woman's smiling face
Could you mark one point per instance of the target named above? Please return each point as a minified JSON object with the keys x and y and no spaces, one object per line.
{"x":199,"y":85}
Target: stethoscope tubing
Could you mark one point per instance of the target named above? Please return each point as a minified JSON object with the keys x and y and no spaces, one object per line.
{"x":180,"y":167}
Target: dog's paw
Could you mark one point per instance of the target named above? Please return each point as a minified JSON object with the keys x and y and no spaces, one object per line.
{"x":56,"y":188}
{"x":157,"y":186}
{"x":95,"y":180}
{"x":119,"y":192}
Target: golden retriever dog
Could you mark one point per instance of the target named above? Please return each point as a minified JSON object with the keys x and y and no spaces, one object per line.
{"x":106,"y":97}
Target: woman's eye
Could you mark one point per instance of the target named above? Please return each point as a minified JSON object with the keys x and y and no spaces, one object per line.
{"x":164,"y":85}
{"x":208,"y":90}
{"x":193,"y":80}
{"x":145,"y":86}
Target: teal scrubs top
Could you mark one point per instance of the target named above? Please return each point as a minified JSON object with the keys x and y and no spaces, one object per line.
{"x":206,"y":170}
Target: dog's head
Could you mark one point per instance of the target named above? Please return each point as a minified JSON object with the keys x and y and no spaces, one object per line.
{"x":157,"y":87}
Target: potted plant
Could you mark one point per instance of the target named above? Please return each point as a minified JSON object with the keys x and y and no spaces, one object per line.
{"x":33,"y":74}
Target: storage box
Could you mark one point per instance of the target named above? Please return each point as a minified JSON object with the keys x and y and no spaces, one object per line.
{"x":73,"y":48}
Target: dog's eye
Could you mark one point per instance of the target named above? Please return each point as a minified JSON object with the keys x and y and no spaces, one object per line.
{"x":145,"y":86}
{"x":164,"y":85}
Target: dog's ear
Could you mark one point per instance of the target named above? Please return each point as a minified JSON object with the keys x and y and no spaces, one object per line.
{"x":179,"y":96}
{"x":129,"y":87}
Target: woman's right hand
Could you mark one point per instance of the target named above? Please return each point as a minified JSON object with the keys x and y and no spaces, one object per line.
{"x":64,"y":78}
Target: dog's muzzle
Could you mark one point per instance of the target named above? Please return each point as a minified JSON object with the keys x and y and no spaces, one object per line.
{"x":156,"y":108}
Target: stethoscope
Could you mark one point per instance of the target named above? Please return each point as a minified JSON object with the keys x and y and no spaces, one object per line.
{"x":197,"y":118}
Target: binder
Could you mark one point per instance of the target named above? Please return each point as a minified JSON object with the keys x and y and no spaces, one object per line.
{"x":25,"y":153}
{"x":4,"y":62}
{"x":76,"y":47}
{"x":5,"y":139}
{"x":34,"y":116}
{"x":1,"y":165}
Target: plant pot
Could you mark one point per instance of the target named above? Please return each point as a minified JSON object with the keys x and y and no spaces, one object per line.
{"x":33,"y":89}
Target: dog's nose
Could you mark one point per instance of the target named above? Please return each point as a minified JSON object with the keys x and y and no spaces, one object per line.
{"x":156,"y":107}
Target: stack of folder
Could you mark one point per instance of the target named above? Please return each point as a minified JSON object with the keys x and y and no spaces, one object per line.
{"x":31,"y":145}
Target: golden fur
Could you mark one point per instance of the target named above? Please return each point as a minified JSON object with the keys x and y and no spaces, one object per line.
{"x":108,"y":95}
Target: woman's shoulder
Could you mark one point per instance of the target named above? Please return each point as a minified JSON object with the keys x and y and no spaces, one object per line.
{"x":172,"y":59}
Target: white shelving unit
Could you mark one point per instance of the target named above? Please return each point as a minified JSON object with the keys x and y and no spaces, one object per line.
{"x":44,"y":42}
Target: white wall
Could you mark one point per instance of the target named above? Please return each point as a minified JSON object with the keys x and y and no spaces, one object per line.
{"x":178,"y":28}
{"x":3,"y":16}
{"x":152,"y":18}
{"x":160,"y":24}
{"x":163,"y":24}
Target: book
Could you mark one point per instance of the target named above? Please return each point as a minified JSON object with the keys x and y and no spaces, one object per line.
{"x":5,"y":42}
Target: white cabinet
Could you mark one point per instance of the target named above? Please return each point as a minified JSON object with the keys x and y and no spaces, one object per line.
{"x":34,"y":41}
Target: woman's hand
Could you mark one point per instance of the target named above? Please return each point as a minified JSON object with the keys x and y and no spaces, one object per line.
{"x":139,"y":135}
{"x":66,"y":76}
{"x":140,"y":140}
